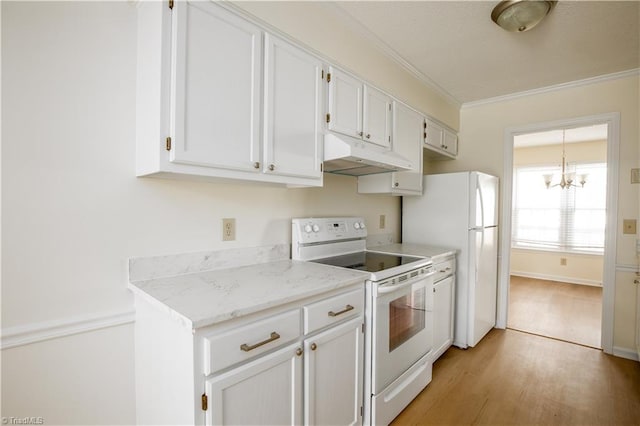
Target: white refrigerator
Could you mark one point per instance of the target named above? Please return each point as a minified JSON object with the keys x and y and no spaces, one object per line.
{"x":460,"y":211}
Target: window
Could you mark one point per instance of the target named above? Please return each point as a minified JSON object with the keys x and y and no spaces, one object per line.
{"x":571,"y":220}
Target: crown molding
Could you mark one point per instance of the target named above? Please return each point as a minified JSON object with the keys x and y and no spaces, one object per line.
{"x":553,"y":88}
{"x":388,"y":51}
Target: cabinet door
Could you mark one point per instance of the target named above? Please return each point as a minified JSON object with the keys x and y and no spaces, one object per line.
{"x":266,"y":391}
{"x":407,"y":141}
{"x":450,"y":142}
{"x":293,"y":108}
{"x":443,"y":307}
{"x":377,"y":117}
{"x":345,"y":103}
{"x":434,"y":134}
{"x":333,"y":375}
{"x":216,"y":87}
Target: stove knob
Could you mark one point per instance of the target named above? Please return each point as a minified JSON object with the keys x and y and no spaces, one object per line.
{"x":316,"y":228}
{"x":362,"y":225}
{"x":356,"y":225}
{"x":307,"y":229}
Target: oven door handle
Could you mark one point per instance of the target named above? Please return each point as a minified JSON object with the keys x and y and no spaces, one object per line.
{"x":391,"y":289}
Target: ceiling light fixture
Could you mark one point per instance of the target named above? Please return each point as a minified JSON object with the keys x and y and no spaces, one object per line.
{"x":566,"y":178}
{"x":521,"y":15}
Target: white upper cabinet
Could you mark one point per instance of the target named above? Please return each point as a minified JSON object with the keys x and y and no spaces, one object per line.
{"x":407,"y":140}
{"x":219,"y":97}
{"x":376,"y":117}
{"x":358,"y":110}
{"x":217,"y":83}
{"x":440,"y":142}
{"x":345,"y":103}
{"x":293,"y":110}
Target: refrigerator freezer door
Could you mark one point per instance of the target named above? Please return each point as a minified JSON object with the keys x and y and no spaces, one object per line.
{"x":483,"y":283}
{"x":488,"y":189}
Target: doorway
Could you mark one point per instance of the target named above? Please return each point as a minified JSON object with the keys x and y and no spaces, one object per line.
{"x":611,"y":124}
{"x":558,"y":229}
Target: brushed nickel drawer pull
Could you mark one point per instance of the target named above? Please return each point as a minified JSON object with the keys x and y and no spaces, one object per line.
{"x":346,"y":309}
{"x":247,"y":348}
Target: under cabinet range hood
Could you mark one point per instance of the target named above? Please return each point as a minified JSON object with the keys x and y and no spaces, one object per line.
{"x":349,"y":156}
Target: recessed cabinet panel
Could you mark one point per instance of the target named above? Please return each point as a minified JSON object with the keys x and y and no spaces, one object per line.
{"x":264,"y":392}
{"x":345,"y":104}
{"x":293,"y":110}
{"x":443,"y":316}
{"x":216,"y":87}
{"x":333,"y":375}
{"x":407,"y":141}
{"x":376,"y":117}
{"x":434,"y":134}
{"x":450,"y":142}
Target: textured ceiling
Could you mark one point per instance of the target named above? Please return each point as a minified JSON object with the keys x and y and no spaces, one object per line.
{"x":455,"y":45}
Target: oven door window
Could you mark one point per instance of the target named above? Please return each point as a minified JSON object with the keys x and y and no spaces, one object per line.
{"x":407,"y":317}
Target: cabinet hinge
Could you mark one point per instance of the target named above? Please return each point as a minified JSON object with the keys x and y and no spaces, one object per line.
{"x":205,"y":402}
{"x":328,"y":77}
{"x":363,"y":326}
{"x":424,"y":124}
{"x":323,"y":74}
{"x":328,"y":118}
{"x":389,"y":138}
{"x":168,"y":144}
{"x":321,"y":167}
{"x":361,"y":411}
{"x":171,"y":4}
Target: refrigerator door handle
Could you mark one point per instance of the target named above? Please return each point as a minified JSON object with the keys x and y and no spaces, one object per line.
{"x":479,"y":192}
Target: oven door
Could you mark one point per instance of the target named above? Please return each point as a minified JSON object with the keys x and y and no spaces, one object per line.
{"x":402,"y":324}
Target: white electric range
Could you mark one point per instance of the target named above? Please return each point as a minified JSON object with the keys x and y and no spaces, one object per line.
{"x":398,"y":314}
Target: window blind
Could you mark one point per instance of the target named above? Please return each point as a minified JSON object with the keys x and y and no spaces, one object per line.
{"x":571,"y":220}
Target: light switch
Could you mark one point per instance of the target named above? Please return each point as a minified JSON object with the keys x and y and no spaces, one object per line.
{"x":629,"y":226}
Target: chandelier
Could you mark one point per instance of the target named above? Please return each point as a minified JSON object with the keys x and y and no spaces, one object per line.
{"x":566,"y":178}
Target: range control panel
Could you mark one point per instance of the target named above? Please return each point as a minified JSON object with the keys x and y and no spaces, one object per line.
{"x":323,"y":230}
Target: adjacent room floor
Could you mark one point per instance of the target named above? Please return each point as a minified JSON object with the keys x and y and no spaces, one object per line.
{"x":515,"y":378}
{"x":570,"y":312}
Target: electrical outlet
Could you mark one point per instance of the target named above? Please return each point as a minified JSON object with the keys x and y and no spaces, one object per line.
{"x":383,"y":220}
{"x":635,"y":175}
{"x":628,"y":226}
{"x":563,"y":261}
{"x":228,"y":229}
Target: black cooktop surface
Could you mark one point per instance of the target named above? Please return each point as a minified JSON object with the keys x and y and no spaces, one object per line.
{"x":368,"y":261}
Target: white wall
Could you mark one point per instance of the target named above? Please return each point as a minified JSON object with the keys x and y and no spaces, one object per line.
{"x":482,"y":129}
{"x":73,"y":211}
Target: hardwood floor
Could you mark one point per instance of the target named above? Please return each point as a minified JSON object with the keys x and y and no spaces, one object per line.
{"x":570,"y":312}
{"x":515,"y":378}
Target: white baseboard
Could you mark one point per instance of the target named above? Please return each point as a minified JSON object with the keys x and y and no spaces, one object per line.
{"x":625,"y":353}
{"x":37,"y":332}
{"x":558,"y":278}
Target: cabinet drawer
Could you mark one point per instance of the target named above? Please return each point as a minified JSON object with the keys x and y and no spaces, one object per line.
{"x":245,"y":342}
{"x":333,"y":310}
{"x":444,"y":269}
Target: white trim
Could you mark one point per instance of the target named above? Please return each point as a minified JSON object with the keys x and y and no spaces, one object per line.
{"x":38,"y":332}
{"x":625,"y":353}
{"x":555,"y":87}
{"x":569,"y":280}
{"x":627,"y":268}
{"x":613,"y":163}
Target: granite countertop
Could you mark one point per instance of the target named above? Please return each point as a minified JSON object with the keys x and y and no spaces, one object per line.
{"x":209,"y":297}
{"x":418,"y":250}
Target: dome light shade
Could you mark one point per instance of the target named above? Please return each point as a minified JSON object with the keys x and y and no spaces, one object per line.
{"x":521,"y":15}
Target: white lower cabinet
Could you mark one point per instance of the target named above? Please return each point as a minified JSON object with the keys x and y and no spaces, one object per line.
{"x":316,"y":380}
{"x":265,"y":391}
{"x":333,"y":376}
{"x":443,"y":307}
